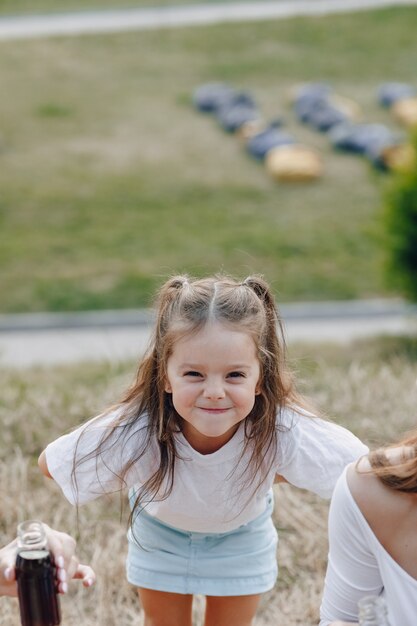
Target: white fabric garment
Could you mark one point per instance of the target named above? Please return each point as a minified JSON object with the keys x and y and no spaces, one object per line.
{"x":359,"y":565}
{"x":209,"y":493}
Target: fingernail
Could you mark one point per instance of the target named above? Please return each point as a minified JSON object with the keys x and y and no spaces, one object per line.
{"x":64,"y":587}
{"x":60,"y":561}
{"x":62,"y":575}
{"x":8,"y":573}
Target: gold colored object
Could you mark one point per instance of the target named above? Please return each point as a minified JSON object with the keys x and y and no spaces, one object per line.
{"x":405,"y":111}
{"x":293,"y":163}
{"x":399,"y":158}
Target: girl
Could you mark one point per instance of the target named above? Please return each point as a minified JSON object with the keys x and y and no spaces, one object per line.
{"x":210,"y":423}
{"x":373,"y":536}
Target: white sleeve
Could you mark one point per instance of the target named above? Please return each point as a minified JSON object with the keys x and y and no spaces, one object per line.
{"x":94,"y":475}
{"x":352,"y":569}
{"x":313,"y":452}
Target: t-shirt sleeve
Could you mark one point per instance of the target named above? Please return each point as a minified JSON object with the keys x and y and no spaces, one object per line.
{"x":352,"y":569}
{"x":94,"y":475}
{"x":313,"y":452}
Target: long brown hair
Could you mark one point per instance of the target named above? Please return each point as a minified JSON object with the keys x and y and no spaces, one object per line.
{"x":184,"y":306}
{"x":400,"y":474}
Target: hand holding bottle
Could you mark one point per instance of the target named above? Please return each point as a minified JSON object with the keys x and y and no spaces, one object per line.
{"x":67,"y":565}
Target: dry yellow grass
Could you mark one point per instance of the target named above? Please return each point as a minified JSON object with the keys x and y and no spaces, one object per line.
{"x":369,"y":387}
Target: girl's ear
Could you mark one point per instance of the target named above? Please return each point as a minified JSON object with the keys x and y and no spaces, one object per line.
{"x":168,"y":388}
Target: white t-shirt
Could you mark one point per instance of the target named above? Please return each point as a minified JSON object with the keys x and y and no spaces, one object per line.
{"x":210,"y":493}
{"x":359,"y":565}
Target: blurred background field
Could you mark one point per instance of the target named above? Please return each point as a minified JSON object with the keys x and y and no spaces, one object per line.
{"x":110,"y":180}
{"x":369,"y":386}
{"x":15,"y":7}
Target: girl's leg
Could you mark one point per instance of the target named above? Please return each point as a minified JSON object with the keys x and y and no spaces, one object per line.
{"x":165,"y":609}
{"x":231,"y":610}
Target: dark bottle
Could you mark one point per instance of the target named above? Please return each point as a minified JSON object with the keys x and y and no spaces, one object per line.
{"x":35,"y":575}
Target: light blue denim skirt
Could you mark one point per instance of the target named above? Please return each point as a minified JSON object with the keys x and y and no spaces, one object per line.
{"x":236,"y":563}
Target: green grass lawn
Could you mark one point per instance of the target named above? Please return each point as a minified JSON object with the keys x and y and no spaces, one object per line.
{"x":110,"y":181}
{"x":16,"y":7}
{"x":369,"y":387}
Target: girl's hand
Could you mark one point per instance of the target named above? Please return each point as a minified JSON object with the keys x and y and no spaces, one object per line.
{"x":79,"y":571}
{"x":7,"y":573}
{"x":67,"y":565}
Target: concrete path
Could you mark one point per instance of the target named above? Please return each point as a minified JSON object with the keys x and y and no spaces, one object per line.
{"x":53,"y":339}
{"x":40,"y":339}
{"x":108,"y":21}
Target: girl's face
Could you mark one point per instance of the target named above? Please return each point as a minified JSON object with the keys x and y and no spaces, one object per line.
{"x":213,"y":376}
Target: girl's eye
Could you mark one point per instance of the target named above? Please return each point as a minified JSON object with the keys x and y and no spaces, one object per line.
{"x":192,"y":373}
{"x":236,"y":375}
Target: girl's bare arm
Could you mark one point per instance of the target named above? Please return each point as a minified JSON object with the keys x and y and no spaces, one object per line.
{"x":43,"y":465}
{"x":280,"y":479}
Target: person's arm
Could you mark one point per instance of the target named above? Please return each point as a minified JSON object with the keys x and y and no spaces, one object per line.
{"x":312,"y":452}
{"x":352,"y":570}
{"x":62,"y":546}
{"x":280,"y":479}
{"x":88,"y":462}
{"x":43,"y":466}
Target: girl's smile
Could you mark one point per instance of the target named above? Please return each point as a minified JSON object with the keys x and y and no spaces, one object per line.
{"x":213,"y":376}
{"x":213,"y":410}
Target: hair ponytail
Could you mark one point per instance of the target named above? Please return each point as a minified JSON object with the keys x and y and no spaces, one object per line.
{"x":262,"y":290}
{"x":275,"y":337}
{"x":165,"y":304}
{"x":174,"y":284}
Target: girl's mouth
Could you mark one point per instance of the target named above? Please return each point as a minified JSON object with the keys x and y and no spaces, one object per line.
{"x":214,"y":410}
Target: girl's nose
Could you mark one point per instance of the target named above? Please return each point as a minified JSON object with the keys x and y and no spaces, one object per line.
{"x":214,"y":390}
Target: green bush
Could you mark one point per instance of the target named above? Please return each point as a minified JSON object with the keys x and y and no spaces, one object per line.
{"x":400,"y":223}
